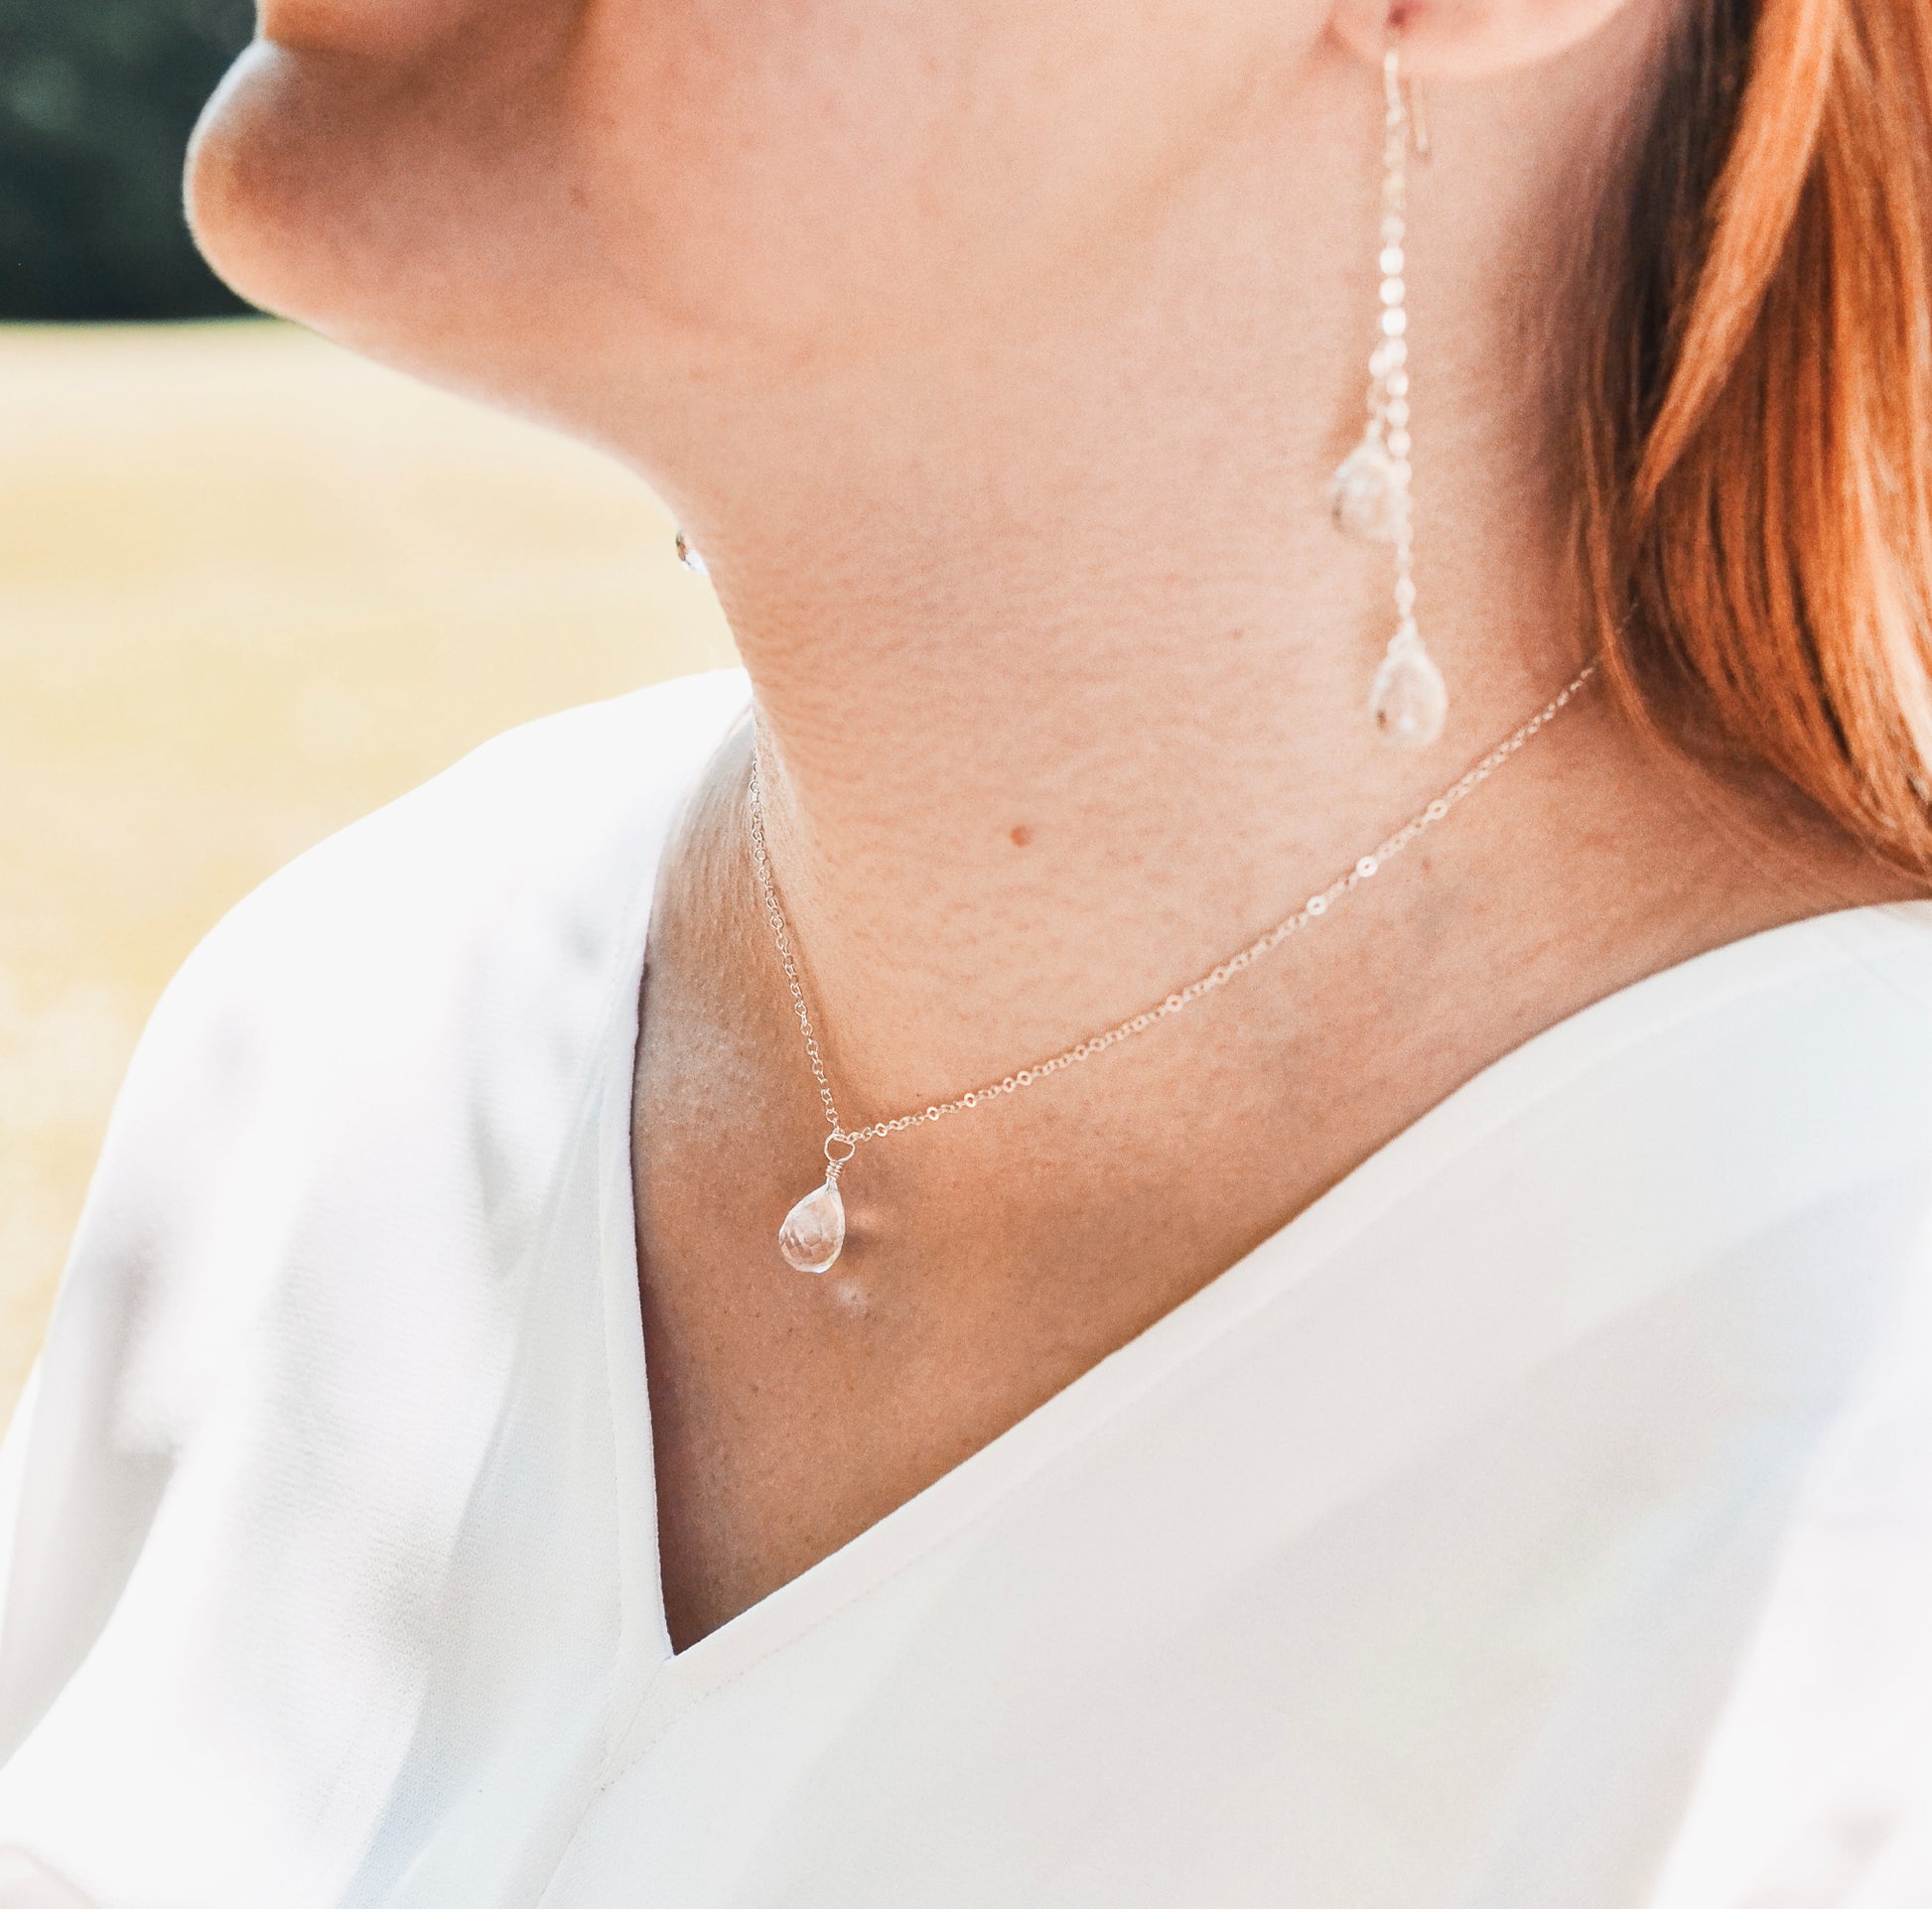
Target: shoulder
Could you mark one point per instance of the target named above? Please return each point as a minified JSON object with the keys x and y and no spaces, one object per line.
{"x":359,"y":1087}
{"x":462,"y":937}
{"x":534,"y":852}
{"x":566,"y":802}
{"x":385,"y":1039}
{"x":333,"y":1224}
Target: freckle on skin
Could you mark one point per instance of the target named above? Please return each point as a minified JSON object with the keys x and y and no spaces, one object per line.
{"x":1020,"y":835}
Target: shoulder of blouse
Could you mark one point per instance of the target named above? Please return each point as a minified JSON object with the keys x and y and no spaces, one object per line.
{"x":335,"y":1145}
{"x":533,"y":812}
{"x":479,"y":911}
{"x":340,"y":1127}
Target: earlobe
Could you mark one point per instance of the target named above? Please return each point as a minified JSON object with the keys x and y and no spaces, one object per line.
{"x":1466,"y":39}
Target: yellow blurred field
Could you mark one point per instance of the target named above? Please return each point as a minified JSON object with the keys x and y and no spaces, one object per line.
{"x":250,"y":589}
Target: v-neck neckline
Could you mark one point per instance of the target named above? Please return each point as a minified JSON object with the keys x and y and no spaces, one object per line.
{"x":656,"y":1685}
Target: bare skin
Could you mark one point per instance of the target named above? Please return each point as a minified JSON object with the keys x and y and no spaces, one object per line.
{"x":997,"y":356}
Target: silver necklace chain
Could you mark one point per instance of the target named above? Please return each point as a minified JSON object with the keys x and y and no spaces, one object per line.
{"x":1312,"y":910}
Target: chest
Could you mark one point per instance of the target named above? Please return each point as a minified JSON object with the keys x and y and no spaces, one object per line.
{"x":792,"y":1412}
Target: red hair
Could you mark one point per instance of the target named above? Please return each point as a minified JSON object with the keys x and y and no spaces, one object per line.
{"x":1756,"y":518}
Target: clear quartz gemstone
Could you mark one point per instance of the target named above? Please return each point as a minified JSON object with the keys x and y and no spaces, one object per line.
{"x":689,"y":555}
{"x":1408,"y":699}
{"x":813,"y":1234}
{"x":1364,"y":495}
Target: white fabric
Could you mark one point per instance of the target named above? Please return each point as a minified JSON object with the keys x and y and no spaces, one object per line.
{"x":1542,"y":1518}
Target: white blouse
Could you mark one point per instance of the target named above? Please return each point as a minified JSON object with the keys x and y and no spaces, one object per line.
{"x":1543,"y":1520}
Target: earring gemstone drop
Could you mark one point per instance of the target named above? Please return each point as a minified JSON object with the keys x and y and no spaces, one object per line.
{"x":1365,"y":497}
{"x":1408,"y":699}
{"x":1369,"y":496}
{"x":691,"y":557}
{"x":813,"y":1233}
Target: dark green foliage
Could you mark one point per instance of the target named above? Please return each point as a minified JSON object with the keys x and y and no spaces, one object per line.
{"x":97,"y":99}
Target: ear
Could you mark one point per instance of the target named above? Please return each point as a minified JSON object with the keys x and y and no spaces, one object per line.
{"x":1465,"y":39}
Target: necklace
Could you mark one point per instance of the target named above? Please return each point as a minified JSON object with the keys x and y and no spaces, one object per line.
{"x":813,"y":1234}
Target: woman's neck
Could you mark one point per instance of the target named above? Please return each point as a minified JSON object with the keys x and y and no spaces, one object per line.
{"x":1062,"y":682}
{"x":1063,"y":669}
{"x":1001,"y":823}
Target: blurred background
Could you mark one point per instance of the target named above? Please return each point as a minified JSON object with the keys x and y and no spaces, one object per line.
{"x":250,"y":588}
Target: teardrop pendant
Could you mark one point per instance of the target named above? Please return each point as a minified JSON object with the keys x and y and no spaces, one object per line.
{"x":813,"y":1233}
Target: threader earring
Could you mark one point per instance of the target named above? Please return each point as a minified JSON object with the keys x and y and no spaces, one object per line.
{"x":1369,"y":495}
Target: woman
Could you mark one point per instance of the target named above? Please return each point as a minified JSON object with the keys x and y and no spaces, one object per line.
{"x":1423,"y":1417}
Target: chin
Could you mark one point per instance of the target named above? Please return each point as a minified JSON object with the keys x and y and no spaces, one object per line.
{"x":532,"y":203}
{"x":410,"y":208}
{"x":272,"y":180}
